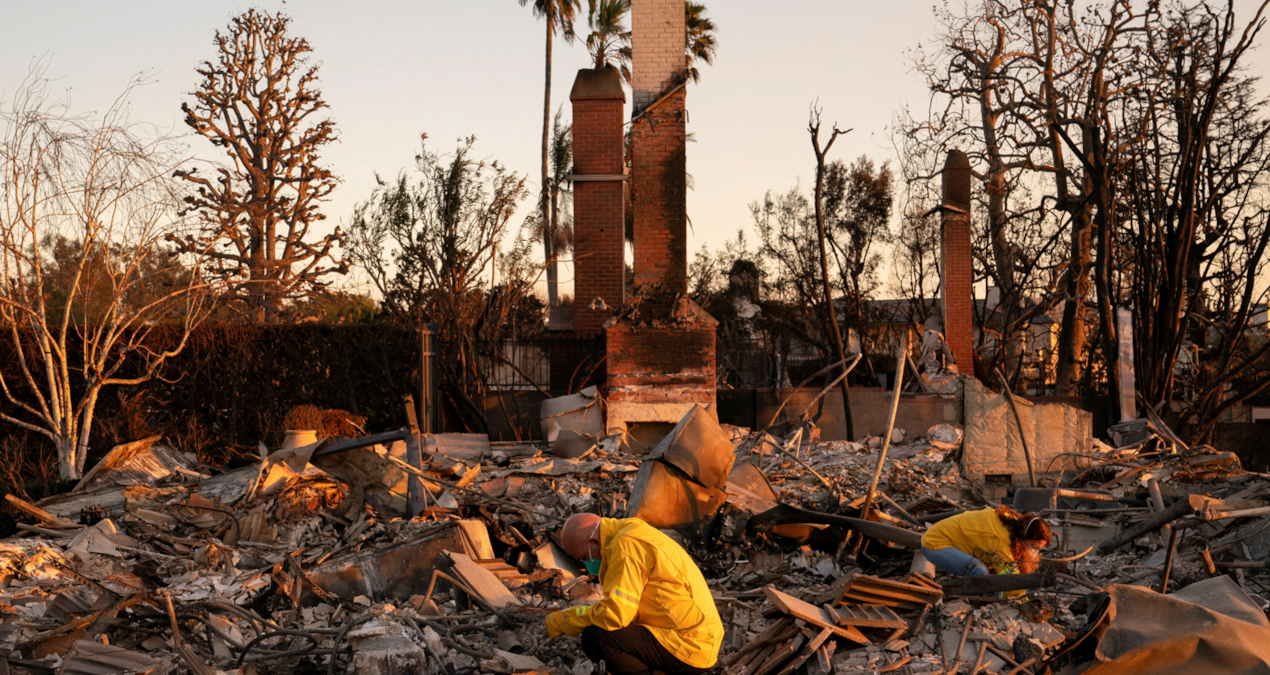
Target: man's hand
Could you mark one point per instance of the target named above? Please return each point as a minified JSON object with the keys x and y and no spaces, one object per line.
{"x":555,"y":624}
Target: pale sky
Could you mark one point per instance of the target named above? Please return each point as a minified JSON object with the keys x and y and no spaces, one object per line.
{"x":392,"y":69}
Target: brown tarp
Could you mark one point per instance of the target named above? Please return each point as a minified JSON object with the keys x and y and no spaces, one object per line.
{"x":1208,"y":627}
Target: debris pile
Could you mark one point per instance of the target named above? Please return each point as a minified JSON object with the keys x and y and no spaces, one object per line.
{"x":403,"y":552}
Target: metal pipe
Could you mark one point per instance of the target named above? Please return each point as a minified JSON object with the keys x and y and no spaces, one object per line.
{"x":361,"y":442}
{"x":1157,"y":503}
{"x":1027,"y":452}
{"x":1168,"y":562}
{"x":428,"y":424}
{"x":890,"y":426}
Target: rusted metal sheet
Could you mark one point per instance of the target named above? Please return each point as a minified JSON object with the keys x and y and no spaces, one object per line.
{"x":867,"y":590}
{"x":816,"y":616}
{"x":699,"y":447}
{"x":867,"y":616}
{"x":94,"y":658}
{"x":664,"y":497}
{"x":392,"y":574}
{"x":784,"y":514}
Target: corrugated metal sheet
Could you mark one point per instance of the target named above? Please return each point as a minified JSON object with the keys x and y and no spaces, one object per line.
{"x":94,"y":658}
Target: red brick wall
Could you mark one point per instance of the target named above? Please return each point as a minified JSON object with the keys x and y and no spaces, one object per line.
{"x":659,"y":194}
{"x":671,"y":364}
{"x":598,"y":212}
{"x":957,"y":291}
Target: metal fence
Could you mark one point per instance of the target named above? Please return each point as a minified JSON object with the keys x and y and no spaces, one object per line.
{"x":766,"y":364}
{"x":557,"y":364}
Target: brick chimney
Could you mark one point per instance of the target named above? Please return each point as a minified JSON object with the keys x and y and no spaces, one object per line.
{"x":660,"y":348}
{"x":661,"y":360}
{"x":956,"y":283}
{"x":658,"y":157}
{"x":599,"y":217}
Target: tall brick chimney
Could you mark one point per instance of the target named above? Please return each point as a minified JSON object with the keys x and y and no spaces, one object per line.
{"x":658,"y":157}
{"x":599,"y":216}
{"x":660,"y":348}
{"x":956,"y":290}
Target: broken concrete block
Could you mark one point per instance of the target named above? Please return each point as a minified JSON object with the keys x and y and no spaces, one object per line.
{"x":664,"y":497}
{"x":388,"y":655}
{"x":452,"y":454}
{"x":572,"y":424}
{"x":507,"y":663}
{"x":699,"y":447}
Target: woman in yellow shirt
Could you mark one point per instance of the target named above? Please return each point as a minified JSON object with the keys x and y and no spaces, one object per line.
{"x":988,"y":541}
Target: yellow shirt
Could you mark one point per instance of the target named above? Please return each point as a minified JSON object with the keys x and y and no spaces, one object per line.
{"x":650,"y":581}
{"x":979,"y":533}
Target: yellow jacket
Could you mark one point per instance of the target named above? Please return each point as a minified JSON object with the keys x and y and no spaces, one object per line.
{"x":979,"y":533}
{"x":650,"y":581}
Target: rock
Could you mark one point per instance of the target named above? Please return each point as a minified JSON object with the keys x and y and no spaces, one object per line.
{"x":898,"y":435}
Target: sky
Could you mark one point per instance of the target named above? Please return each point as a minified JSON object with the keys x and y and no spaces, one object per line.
{"x":392,"y":69}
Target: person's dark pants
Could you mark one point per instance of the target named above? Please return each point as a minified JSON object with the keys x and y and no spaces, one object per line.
{"x":632,"y":651}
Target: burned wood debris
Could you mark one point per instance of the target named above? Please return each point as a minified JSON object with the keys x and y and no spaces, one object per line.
{"x":403,"y":552}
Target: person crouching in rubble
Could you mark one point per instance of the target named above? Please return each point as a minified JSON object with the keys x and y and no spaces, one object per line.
{"x":657,"y":613}
{"x":987,"y":541}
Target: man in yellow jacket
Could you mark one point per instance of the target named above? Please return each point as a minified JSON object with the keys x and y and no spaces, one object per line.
{"x":657,"y":613}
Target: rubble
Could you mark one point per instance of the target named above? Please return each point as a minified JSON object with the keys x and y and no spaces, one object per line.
{"x":309,"y":560}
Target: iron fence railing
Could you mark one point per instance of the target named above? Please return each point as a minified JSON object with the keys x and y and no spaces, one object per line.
{"x":549,"y":364}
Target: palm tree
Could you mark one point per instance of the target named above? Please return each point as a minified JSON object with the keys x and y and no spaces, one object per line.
{"x":559,"y":15}
{"x":701,"y":42}
{"x":610,"y":41}
{"x":561,"y":231}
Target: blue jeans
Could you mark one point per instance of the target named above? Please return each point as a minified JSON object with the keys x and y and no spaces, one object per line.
{"x":955,"y":561}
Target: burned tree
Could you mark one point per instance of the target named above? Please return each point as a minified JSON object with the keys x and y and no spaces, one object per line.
{"x":818,"y":202}
{"x":857,"y":206}
{"x":982,"y":79}
{"x":428,"y":243}
{"x":259,"y":101}
{"x":92,"y":298}
{"x":1196,"y":214}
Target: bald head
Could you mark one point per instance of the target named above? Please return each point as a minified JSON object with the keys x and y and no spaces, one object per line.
{"x":578,"y":530}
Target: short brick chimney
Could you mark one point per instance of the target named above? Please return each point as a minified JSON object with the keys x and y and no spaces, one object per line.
{"x":658,"y":156}
{"x":598,"y":209}
{"x":956,"y":290}
{"x":661,"y":359}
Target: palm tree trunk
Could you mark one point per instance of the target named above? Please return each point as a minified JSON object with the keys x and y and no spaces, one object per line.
{"x":549,"y":256}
